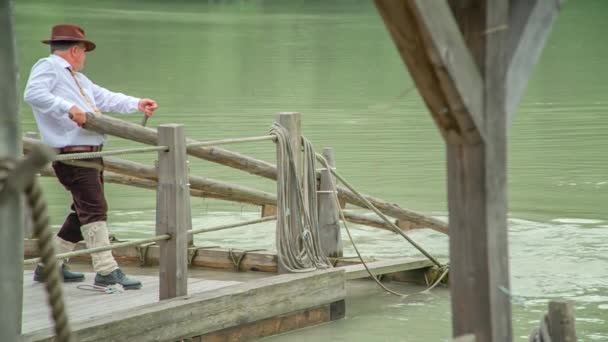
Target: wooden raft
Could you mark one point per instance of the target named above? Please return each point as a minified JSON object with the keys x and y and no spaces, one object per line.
{"x":217,"y":309}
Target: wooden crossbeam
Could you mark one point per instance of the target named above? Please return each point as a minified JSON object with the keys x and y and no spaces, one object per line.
{"x":404,"y":29}
{"x":530,"y":22}
{"x":457,"y":72}
{"x":386,"y":266}
{"x":439,"y":62}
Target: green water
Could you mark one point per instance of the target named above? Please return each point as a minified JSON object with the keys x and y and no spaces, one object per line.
{"x":224,"y":68}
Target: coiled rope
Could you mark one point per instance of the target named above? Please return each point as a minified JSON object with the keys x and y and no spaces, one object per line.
{"x":297,"y":234}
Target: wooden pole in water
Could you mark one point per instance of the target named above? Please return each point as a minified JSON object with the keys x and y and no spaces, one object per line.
{"x":329,"y":215}
{"x":465,"y":57}
{"x":11,"y":210}
{"x":561,"y":321}
{"x":173,"y":212}
{"x":292,"y":122}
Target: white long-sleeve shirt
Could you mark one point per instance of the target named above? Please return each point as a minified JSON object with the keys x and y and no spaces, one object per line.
{"x":52,"y":91}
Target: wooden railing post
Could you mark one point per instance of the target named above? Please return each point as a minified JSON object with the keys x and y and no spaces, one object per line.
{"x":561,"y":321}
{"x":173,"y":211}
{"x":292,"y":122}
{"x":329,"y":216}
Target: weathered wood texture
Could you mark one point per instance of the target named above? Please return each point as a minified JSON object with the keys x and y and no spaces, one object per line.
{"x":271,"y":326}
{"x":135,"y":132}
{"x":456,"y":70}
{"x":120,"y":128}
{"x":436,"y":54}
{"x":530,"y":22}
{"x":292,"y":122}
{"x":202,"y":313}
{"x":173,"y":212}
{"x":200,"y":186}
{"x":83,"y":305}
{"x":386,"y":267}
{"x":329,"y":215}
{"x":268,"y":210}
{"x":372,"y":220}
{"x":404,"y":269}
{"x":561,"y":321}
{"x":404,"y":28}
{"x":11,"y":209}
{"x":208,"y":257}
{"x":477,"y":188}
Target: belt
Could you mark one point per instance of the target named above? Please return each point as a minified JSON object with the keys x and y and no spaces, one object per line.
{"x":80,"y":148}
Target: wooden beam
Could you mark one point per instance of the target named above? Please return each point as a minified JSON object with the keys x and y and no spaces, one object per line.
{"x":456,"y":70}
{"x":561,"y":321}
{"x":292,"y":122}
{"x":329,"y":215}
{"x":386,"y":266}
{"x":11,"y":209}
{"x":173,"y":212}
{"x":202,"y":313}
{"x":128,"y":130}
{"x":477,"y":188}
{"x":401,"y":24}
{"x":201,"y":186}
{"x":530,"y":23}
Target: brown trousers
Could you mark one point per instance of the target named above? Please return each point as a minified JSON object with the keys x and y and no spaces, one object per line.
{"x":88,"y":199}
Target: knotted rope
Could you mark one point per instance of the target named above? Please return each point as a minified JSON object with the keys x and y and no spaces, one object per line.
{"x":297,"y":234}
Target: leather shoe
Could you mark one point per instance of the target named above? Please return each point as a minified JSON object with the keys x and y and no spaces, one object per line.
{"x":68,"y":276}
{"x":117,"y":277}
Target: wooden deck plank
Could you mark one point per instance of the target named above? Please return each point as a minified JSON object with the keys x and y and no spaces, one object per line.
{"x":386,"y":266}
{"x":83,"y":305}
{"x":209,"y":311}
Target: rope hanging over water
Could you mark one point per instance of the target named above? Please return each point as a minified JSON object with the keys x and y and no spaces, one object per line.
{"x":297,"y":234}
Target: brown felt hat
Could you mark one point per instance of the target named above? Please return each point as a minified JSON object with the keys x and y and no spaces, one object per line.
{"x":69,"y":33}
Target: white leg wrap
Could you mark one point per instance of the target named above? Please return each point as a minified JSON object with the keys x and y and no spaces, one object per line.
{"x":96,"y":235}
{"x":61,"y":246}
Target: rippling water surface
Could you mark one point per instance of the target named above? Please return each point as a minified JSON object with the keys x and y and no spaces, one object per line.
{"x":224,"y":68}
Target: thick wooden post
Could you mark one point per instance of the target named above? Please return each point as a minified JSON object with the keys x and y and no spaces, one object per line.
{"x":477,"y":194}
{"x":11,"y":210}
{"x":173,"y":212}
{"x":561,"y":321}
{"x":329,"y":216}
{"x":292,"y":122}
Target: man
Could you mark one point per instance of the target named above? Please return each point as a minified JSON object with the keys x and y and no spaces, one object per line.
{"x":60,"y":96}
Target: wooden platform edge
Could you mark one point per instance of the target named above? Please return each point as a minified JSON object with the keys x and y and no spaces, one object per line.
{"x":277,"y":325}
{"x":386,"y":267}
{"x":403,"y":269}
{"x":203,"y":313}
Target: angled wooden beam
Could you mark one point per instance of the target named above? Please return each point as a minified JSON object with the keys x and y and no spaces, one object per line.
{"x":456,"y":70}
{"x":530,"y":22}
{"x":405,"y":31}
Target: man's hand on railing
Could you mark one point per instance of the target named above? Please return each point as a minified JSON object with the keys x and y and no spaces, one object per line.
{"x":78,"y":116}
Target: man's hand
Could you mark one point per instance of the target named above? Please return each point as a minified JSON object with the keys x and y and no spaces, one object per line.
{"x":148,"y":106}
{"x":78,"y":116}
